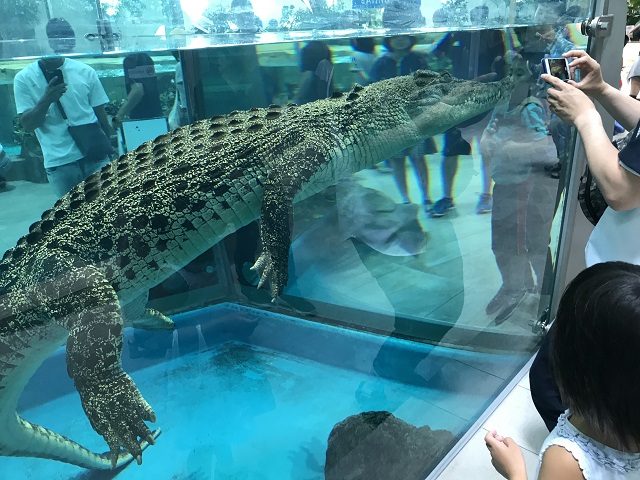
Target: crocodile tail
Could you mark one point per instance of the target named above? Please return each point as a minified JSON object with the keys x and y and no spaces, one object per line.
{"x":30,"y":440}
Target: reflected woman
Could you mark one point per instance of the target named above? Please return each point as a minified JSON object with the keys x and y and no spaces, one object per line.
{"x":143,"y":94}
{"x":400,"y":59}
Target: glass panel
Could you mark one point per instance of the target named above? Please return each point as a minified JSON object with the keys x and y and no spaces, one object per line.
{"x":134,"y":25}
{"x":421,"y":237}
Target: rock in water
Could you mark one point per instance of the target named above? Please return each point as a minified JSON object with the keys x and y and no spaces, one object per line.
{"x":380,"y":446}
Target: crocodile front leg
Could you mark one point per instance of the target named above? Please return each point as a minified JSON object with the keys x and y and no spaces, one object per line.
{"x":276,"y":216}
{"x":275,"y":234}
{"x":81,"y":299}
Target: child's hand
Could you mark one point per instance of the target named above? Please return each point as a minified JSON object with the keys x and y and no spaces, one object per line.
{"x":506,"y":456}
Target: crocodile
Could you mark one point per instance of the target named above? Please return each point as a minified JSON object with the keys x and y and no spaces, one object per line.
{"x":91,"y":259}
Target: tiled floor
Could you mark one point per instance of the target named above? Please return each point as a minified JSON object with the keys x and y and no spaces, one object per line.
{"x":515,"y":417}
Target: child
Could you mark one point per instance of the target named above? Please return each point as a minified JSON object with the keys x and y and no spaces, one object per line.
{"x":363,"y":58}
{"x":5,"y":165}
{"x":400,"y":59}
{"x":316,"y":79}
{"x":595,"y":360}
{"x":514,"y":137}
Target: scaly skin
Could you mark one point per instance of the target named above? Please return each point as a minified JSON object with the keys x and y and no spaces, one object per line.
{"x":125,"y":229}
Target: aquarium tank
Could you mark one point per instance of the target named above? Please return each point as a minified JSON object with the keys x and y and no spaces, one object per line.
{"x":274,"y":239}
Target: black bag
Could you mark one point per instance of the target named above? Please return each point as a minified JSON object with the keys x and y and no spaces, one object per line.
{"x":590,"y":197}
{"x":91,"y":140}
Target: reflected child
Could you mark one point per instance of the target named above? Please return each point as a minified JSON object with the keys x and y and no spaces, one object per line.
{"x":316,"y":77}
{"x":400,"y":59}
{"x":363,"y":58}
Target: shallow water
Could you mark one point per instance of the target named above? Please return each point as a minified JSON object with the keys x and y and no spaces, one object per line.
{"x":243,"y":394}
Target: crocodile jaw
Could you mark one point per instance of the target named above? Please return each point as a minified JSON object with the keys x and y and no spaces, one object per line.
{"x":446,"y":102}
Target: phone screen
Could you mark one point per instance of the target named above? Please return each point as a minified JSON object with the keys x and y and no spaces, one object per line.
{"x":57,"y":74}
{"x":557,"y":67}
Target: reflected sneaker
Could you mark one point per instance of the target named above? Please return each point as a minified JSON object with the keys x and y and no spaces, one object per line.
{"x":297,"y":304}
{"x":498,"y":301}
{"x":427,"y":205}
{"x":383,"y":167}
{"x":512,"y":303}
{"x":256,"y":297}
{"x":442,"y":207}
{"x":485,"y":204}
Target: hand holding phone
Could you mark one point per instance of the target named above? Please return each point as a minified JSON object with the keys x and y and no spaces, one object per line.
{"x":56,"y":87}
{"x":58,"y":77}
{"x":557,"y":67}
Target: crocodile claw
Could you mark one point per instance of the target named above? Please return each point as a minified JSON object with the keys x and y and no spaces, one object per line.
{"x":117,"y":411}
{"x":276,"y":275}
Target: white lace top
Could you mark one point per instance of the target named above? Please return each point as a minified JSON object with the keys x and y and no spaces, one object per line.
{"x":597,"y":461}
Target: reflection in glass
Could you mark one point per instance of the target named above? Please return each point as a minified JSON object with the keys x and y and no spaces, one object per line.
{"x":391,"y":305}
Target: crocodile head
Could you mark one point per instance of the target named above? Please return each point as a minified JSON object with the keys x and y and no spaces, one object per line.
{"x":437,"y":101}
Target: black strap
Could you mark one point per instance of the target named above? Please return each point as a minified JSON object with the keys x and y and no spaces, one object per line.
{"x":48,"y":78}
{"x":587,"y":196}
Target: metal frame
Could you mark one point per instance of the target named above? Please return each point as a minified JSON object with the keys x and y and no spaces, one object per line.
{"x":448,"y":458}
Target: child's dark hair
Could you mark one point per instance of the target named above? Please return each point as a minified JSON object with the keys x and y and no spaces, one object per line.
{"x":595,"y":349}
{"x":364,"y":44}
{"x":312,"y":54}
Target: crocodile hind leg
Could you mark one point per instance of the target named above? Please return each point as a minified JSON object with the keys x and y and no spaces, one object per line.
{"x":79,"y":297}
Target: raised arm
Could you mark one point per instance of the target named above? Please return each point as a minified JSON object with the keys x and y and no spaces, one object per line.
{"x":620,"y":187}
{"x":133,"y":99}
{"x":34,"y":117}
{"x":623,"y":108}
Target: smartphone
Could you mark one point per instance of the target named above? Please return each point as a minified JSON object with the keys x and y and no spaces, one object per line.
{"x":59,"y":77}
{"x":557,"y":67}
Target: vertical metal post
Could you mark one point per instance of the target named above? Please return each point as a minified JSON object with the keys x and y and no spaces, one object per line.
{"x":99,"y":13}
{"x":512,"y":12}
{"x":105,"y":32}
{"x":47,"y":9}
